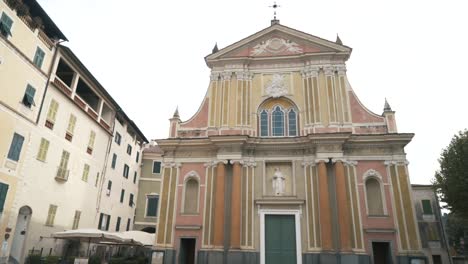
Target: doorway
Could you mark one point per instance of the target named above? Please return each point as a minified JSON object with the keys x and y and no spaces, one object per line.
{"x":21,"y":231}
{"x":187,"y":251}
{"x":436,"y":259}
{"x":280,"y":239}
{"x":381,"y":252}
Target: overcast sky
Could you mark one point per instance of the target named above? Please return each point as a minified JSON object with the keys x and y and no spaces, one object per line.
{"x":149,"y":55}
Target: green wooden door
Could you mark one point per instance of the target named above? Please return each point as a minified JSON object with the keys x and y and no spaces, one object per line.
{"x":280,"y":239}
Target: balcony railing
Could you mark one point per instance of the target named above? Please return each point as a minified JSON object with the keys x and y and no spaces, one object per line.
{"x":62,"y":174}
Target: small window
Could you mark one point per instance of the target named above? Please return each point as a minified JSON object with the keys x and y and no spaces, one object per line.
{"x":277,"y":121}
{"x":118,"y":138}
{"x":62,"y":172}
{"x":39,"y":57}
{"x":114,"y":161}
{"x":128,"y":224}
{"x":264,"y":123}
{"x":137,"y":159}
{"x":15,"y":147}
{"x":135,"y":177}
{"x":427,"y":208}
{"x":156,"y":167}
{"x":122,"y":196}
{"x":51,"y":215}
{"x":92,"y":139}
{"x":117,"y":225}
{"x":43,"y":148}
{"x":104,"y":221}
{"x":3,"y":194}
{"x":125,"y":171}
{"x":71,"y":124}
{"x":152,"y":205}
{"x":129,"y":149}
{"x":85,"y":173}
{"x":52,"y":114}
{"x":130,"y":201}
{"x":5,"y":25}
{"x":76,"y":220}
{"x":109,"y":186}
{"x":292,"y":123}
{"x":28,"y":98}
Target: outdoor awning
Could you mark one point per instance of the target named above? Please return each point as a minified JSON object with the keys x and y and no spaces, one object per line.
{"x":138,"y":238}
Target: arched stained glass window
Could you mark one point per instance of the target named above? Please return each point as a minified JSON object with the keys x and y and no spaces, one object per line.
{"x":292,"y":123}
{"x":277,"y":124}
{"x":264,"y":124}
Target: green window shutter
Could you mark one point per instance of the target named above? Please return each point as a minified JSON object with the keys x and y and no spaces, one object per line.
{"x":43,"y":148}
{"x":76,"y":220}
{"x":15,"y":147}
{"x":28,"y":98}
{"x":152,"y":205}
{"x":92,"y":138}
{"x":427,"y":208}
{"x":114,"y":161}
{"x":117,"y":226}
{"x":122,"y":195}
{"x":64,"y":159}
{"x":51,"y":215}
{"x":100,"y":221}
{"x":108,"y":222}
{"x":5,"y":25}
{"x":39,"y":57}
{"x":3,"y":194}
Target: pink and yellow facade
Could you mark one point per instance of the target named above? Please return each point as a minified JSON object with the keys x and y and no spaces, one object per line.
{"x":283,"y":164}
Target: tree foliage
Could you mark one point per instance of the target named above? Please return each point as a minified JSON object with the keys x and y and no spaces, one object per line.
{"x":451,"y":180}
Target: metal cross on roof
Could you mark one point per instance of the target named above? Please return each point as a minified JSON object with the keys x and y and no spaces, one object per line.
{"x":274,"y":6}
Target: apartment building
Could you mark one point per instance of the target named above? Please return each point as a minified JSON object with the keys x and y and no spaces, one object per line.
{"x":149,"y":184}
{"x":63,"y":140}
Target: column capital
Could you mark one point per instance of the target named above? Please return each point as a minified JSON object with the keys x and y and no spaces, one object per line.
{"x":308,"y":163}
{"x":214,"y":76}
{"x":249,"y":163}
{"x":396,"y":162}
{"x":351,"y":162}
{"x":236,"y":161}
{"x":342,"y":160}
{"x":172,"y":164}
{"x":321,"y":160}
{"x":221,"y":161}
{"x":341,"y":69}
{"x":328,"y":69}
{"x":310,"y":71}
{"x":227,"y":75}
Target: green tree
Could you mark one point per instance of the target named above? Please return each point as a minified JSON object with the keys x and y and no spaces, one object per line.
{"x":451,"y":180}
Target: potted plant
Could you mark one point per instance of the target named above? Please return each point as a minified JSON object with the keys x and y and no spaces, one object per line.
{"x":22,"y":10}
{"x":37,"y":22}
{"x":13,"y":3}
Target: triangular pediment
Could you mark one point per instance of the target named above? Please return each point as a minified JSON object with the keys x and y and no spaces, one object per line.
{"x":278,"y":41}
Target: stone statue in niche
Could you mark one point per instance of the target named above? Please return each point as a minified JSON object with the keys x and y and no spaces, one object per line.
{"x":278,"y":182}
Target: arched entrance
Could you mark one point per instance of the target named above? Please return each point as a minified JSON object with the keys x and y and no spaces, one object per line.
{"x":22,"y":223}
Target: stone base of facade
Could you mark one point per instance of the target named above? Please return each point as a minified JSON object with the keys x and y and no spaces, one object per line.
{"x":232,"y":257}
{"x":169,"y":256}
{"x":330,"y":258}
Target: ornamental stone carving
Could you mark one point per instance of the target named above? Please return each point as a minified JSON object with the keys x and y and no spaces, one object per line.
{"x":276,"y":87}
{"x":275,"y":46}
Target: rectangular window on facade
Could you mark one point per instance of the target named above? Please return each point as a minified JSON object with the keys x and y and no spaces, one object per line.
{"x":118,"y":138}
{"x":109,"y":186}
{"x":97,"y":180}
{"x":135,"y":177}
{"x":129,"y":149}
{"x":117,"y":225}
{"x":152,"y":202}
{"x":39,"y":57}
{"x":85,"y":173}
{"x":43,"y":148}
{"x":114,"y":160}
{"x":137,"y":159}
{"x":156,"y":167}
{"x":3,"y":195}
{"x":70,"y":127}
{"x":125,"y":171}
{"x":28,"y":98}
{"x":51,"y":215}
{"x":5,"y":25}
{"x":15,"y":147}
{"x":92,"y":138}
{"x":76,"y":220}
{"x":427,"y":208}
{"x":122,"y":196}
{"x":62,"y":172}
{"x":128,"y":224}
{"x":104,"y":221}
{"x":52,"y":114}
{"x":130,"y":201}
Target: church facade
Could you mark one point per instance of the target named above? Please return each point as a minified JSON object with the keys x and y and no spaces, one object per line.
{"x":283,"y":164}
